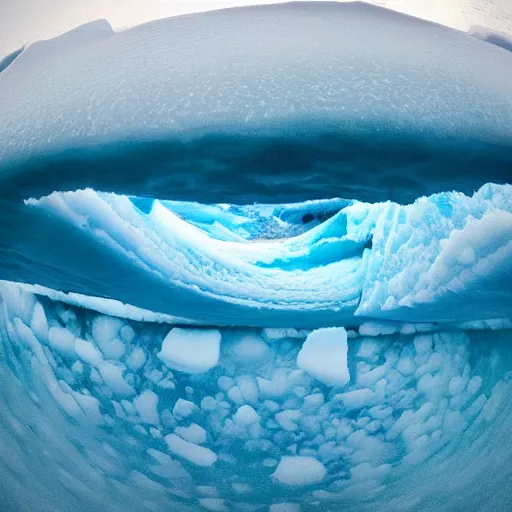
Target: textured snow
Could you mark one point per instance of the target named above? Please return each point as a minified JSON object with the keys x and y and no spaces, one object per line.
{"x":447,"y":249}
{"x":266,"y":58}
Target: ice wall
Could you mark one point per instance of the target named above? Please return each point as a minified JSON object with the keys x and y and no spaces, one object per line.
{"x":444,"y":258}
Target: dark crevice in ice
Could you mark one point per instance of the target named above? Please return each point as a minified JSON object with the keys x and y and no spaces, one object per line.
{"x":9,"y":59}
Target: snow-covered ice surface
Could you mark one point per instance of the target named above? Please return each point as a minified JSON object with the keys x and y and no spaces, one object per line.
{"x":443,"y":258}
{"x":327,"y":329}
{"x":175,"y":107}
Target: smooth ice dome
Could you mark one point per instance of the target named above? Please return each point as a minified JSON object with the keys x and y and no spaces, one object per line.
{"x":191,"y":350}
{"x":299,"y":471}
{"x":250,"y":77}
{"x":324,"y":356}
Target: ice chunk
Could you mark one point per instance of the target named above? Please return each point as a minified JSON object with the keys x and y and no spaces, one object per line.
{"x":191,"y":350}
{"x":235,"y":395}
{"x":288,"y":419}
{"x":168,"y":467}
{"x":324,"y":356}
{"x":114,"y":349}
{"x":77,"y":367}
{"x":207,"y":490}
{"x":184,"y":408}
{"x":39,"y":323}
{"x":87,"y":352}
{"x":246,"y":415}
{"x":248,"y":387}
{"x":225,"y":383}
{"x":299,"y":470}
{"x":249,"y":348}
{"x":137,"y":358}
{"x":358,"y":398}
{"x":272,"y":334}
{"x":423,"y":344}
{"x":456,"y":385}
{"x":378,"y":328}
{"x":112,"y":375}
{"x":146,"y":405}
{"x":127,"y":334}
{"x":193,"y":433}
{"x":90,"y":406}
{"x":241,"y":488}
{"x":369,"y":349}
{"x":105,"y":329}
{"x":62,"y":340}
{"x":198,"y":455}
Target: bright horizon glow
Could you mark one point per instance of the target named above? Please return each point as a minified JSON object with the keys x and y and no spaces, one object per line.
{"x":26,"y":21}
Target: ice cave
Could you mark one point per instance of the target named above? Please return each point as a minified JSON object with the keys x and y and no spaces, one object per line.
{"x":257,"y":259}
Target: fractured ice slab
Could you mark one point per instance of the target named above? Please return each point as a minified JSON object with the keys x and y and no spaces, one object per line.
{"x":195,"y":454}
{"x":191,"y":350}
{"x":324,"y":356}
{"x":299,"y":470}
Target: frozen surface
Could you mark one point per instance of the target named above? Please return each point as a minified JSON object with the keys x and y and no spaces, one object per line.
{"x":263,"y":55}
{"x":310,"y":354}
{"x":251,"y":433}
{"x":169,"y":102}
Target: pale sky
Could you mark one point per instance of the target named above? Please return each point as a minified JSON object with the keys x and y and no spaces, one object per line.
{"x":25,"y":21}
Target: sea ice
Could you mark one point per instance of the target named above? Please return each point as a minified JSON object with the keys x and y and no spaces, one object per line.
{"x":146,"y":405}
{"x":191,"y":350}
{"x":324,"y":356}
{"x":299,"y":470}
{"x":198,"y":455}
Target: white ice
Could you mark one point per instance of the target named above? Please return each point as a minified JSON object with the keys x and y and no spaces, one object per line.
{"x":198,"y":455}
{"x":191,"y":350}
{"x":299,"y":470}
{"x":324,"y":356}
